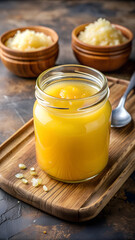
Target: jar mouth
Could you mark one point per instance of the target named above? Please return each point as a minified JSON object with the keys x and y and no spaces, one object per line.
{"x":65,"y":72}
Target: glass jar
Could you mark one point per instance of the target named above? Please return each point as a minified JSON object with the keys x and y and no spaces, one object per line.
{"x":72,"y":135}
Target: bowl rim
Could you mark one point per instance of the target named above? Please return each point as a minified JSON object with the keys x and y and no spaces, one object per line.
{"x":31,"y":27}
{"x":75,"y":32}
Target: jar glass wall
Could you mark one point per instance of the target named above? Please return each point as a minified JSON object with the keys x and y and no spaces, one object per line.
{"x":72,"y":135}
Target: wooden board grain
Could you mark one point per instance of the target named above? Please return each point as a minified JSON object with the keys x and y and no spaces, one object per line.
{"x":73,"y":202}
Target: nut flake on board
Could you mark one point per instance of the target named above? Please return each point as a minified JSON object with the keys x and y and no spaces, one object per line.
{"x":33,"y":173}
{"x":32,"y":169}
{"x":19,"y":175}
{"x":24,"y":180}
{"x":45,"y":188}
{"x":22,"y":166}
{"x":36,"y":182}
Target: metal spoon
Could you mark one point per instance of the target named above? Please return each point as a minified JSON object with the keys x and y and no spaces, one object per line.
{"x":120,"y":117}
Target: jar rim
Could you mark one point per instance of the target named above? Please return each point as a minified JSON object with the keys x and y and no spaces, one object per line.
{"x":101,"y":94}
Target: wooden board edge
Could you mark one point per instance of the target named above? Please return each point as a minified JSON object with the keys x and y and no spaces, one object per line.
{"x":73,"y":215}
{"x":70,"y":215}
{"x":17,"y":133}
{"x":88,"y":213}
{"x":117,"y":80}
{"x":12,"y":142}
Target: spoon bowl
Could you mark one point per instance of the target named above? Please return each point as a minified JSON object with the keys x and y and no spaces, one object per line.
{"x":120,"y":116}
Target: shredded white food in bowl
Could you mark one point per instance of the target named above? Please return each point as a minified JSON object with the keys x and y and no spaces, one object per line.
{"x":29,"y":40}
{"x":102,"y":33}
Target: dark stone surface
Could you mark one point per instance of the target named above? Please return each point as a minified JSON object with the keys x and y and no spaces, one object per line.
{"x":17,"y":219}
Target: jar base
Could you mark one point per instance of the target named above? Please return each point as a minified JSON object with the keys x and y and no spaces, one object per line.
{"x":73,"y":181}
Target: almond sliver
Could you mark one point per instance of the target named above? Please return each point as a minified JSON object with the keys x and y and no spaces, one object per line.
{"x":19,"y":175}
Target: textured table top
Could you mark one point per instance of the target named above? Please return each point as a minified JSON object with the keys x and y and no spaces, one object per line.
{"x":17,"y":219}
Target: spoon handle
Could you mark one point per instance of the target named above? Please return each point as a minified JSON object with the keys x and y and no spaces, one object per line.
{"x":130,"y":87}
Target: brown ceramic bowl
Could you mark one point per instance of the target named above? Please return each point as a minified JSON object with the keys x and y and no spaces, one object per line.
{"x":30,"y":63}
{"x":103,"y":58}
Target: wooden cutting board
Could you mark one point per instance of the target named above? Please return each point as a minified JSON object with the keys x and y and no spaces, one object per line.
{"x":73,"y":202}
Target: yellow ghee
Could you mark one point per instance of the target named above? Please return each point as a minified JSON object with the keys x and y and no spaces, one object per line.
{"x":72,"y":146}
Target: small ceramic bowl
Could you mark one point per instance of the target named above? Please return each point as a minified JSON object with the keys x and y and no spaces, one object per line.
{"x":103,"y":58}
{"x":30,"y":63}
